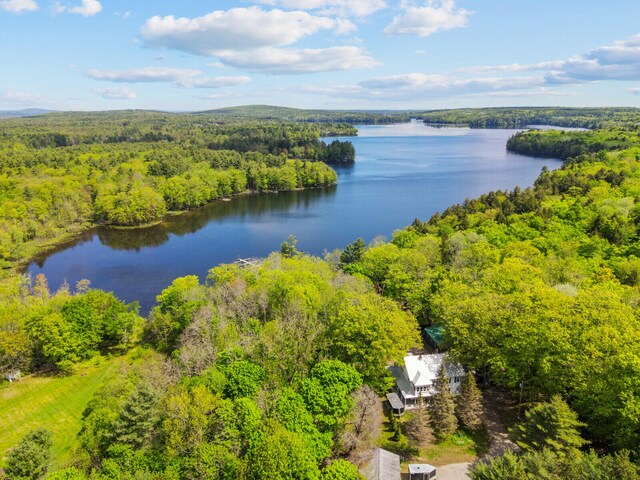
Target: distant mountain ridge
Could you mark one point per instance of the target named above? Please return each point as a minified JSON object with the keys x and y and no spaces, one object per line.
{"x":26,"y":112}
{"x":500,"y":117}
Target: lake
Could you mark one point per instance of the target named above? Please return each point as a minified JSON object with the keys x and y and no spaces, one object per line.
{"x":401,"y":172}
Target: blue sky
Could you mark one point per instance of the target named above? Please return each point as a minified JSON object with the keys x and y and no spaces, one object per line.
{"x":370,"y":54}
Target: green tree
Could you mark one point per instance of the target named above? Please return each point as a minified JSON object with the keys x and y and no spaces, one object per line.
{"x":469,"y":408}
{"x":187,"y":418}
{"x":506,"y":467}
{"x":547,"y":464}
{"x":327,"y":392}
{"x":244,"y":378}
{"x":214,"y":461}
{"x":176,"y":307}
{"x":419,"y":427}
{"x":55,"y":341}
{"x":288,"y":248}
{"x":71,"y":473}
{"x":443,"y":406}
{"x":278,"y":454}
{"x":341,"y":470}
{"x":550,"y":425}
{"x":371,"y":332}
{"x":352,"y":253}
{"x":139,"y":417}
{"x":29,"y":459}
{"x":290,"y":411}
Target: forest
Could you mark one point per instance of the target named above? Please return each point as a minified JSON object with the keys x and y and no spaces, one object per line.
{"x":276,"y":370}
{"x":62,"y":173}
{"x":508,"y":117}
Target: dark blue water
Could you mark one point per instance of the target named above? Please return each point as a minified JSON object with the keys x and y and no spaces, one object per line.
{"x":401,"y":172}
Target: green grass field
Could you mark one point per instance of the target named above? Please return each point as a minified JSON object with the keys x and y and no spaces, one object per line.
{"x":53,"y":402}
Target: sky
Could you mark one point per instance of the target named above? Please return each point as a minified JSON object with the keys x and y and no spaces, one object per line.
{"x":191,"y":55}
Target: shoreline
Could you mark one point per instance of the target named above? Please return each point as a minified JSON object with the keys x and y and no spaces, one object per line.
{"x":73,"y":235}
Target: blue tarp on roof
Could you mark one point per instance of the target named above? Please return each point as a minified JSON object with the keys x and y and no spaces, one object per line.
{"x":434,"y":335}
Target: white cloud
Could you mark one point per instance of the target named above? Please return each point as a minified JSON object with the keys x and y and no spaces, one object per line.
{"x":440,"y":83}
{"x":514,"y":67}
{"x":149,"y":74}
{"x":214,"y":82}
{"x":426,"y":20}
{"x":116,"y":93}
{"x":328,"y":90}
{"x":87,"y":8}
{"x":411,"y":80}
{"x":416,"y":86}
{"x":21,"y":98}
{"x":620,"y":61}
{"x":17,"y":6}
{"x":343,"y":8}
{"x":542,"y":92}
{"x":178,"y":76}
{"x":220,"y":96}
{"x":298,"y":61}
{"x":236,"y":29}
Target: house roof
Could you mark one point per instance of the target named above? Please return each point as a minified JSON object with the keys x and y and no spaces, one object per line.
{"x":395,"y":401}
{"x":383,"y":466}
{"x":421,"y":468}
{"x":422,"y":370}
{"x":406,"y":390}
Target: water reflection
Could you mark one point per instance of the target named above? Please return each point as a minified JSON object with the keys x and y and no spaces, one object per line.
{"x":242,"y":208}
{"x":402,"y":172}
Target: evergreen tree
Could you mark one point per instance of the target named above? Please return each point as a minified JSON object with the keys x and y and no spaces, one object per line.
{"x":30,"y":458}
{"x":444,"y":407}
{"x":469,"y":408}
{"x":138,"y":418}
{"x":352,"y":253}
{"x":550,"y":425}
{"x":419,"y":426}
{"x":288,"y":247}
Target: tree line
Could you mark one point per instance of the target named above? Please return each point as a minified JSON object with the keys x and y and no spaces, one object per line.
{"x":63,"y":173}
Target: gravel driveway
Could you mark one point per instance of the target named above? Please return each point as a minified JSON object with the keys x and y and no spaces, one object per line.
{"x":456,"y":471}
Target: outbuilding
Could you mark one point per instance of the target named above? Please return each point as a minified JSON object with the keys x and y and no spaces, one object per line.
{"x":395,"y":404}
{"x":421,"y":471}
{"x":384,"y":465}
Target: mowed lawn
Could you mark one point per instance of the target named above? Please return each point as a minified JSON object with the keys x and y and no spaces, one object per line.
{"x":55,"y":403}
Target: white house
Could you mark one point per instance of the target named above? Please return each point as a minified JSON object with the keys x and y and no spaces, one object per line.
{"x":417,"y":376}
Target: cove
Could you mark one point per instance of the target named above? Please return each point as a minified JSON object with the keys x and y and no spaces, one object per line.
{"x":401,"y":172}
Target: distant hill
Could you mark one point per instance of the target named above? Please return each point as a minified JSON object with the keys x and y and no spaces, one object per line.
{"x":268,"y":112}
{"x":27,"y":112}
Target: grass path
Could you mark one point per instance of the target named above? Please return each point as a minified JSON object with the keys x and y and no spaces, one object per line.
{"x":56,"y":403}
